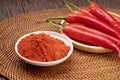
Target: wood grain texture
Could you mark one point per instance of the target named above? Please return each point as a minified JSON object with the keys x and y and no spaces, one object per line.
{"x":11,"y":8}
{"x":4,"y":11}
{"x":14,"y":7}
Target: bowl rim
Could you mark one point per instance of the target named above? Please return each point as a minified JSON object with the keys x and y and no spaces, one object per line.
{"x":46,"y":32}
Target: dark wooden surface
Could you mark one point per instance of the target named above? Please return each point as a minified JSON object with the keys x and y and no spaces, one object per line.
{"x":11,"y":8}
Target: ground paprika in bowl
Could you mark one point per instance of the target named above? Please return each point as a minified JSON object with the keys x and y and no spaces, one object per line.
{"x":44,"y":48}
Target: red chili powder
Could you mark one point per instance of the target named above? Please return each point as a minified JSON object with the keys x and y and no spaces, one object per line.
{"x":43,"y":48}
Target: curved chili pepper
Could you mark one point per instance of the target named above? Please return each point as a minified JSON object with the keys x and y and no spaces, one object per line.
{"x":118,"y":20}
{"x":93,"y":23}
{"x":85,"y":34}
{"x":86,"y":12}
{"x":103,"y":15}
{"x":83,"y":11}
{"x":93,"y":31}
{"x":95,"y":39}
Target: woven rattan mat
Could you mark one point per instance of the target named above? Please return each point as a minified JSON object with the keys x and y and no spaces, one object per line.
{"x":80,"y":65}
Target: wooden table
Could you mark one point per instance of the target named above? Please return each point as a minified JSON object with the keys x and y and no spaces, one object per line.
{"x":11,"y":8}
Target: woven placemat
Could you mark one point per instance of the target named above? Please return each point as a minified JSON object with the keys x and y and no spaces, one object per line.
{"x":80,"y":65}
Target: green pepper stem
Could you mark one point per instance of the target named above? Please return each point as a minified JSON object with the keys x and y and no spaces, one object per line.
{"x":89,"y":1}
{"x":58,"y":26}
{"x":56,"y":17}
{"x":73,"y":5}
{"x":68,"y":6}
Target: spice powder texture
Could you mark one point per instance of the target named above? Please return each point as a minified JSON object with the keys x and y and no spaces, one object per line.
{"x":42,"y":47}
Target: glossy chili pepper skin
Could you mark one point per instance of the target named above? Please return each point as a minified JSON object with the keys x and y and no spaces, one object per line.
{"x":103,"y":15}
{"x":82,"y":35}
{"x":83,"y":11}
{"x":93,"y":23}
{"x":93,"y":31}
{"x":86,"y":12}
{"x":118,"y":20}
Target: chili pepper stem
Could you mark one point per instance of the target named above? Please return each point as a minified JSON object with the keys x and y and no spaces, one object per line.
{"x":58,"y":26}
{"x":73,"y":5}
{"x":89,"y":1}
{"x":70,"y":9}
{"x":56,"y":17}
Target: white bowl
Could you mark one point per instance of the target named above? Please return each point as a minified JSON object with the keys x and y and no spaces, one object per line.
{"x":65,"y":39}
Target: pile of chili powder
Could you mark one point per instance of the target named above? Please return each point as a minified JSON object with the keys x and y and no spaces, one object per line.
{"x":42,"y":47}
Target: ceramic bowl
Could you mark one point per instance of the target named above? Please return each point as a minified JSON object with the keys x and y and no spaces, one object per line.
{"x":65,"y":39}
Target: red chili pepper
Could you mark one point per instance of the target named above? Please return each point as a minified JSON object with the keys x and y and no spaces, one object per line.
{"x":118,"y":20}
{"x":93,"y":23}
{"x":82,"y":35}
{"x":86,"y":12}
{"x":103,"y":15}
{"x":77,"y":12}
{"x":86,"y":34}
{"x":93,"y":31}
{"x":83,"y":11}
